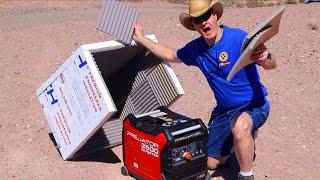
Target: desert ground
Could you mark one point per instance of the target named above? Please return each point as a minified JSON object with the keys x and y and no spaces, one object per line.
{"x":36,"y":37}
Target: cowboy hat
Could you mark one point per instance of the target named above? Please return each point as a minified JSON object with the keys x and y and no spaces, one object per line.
{"x":198,"y":8}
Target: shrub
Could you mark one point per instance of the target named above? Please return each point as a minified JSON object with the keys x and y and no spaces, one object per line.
{"x":179,"y":1}
{"x":313,"y":26}
{"x":254,"y":3}
{"x":270,"y":4}
{"x":133,"y":0}
{"x":291,"y":2}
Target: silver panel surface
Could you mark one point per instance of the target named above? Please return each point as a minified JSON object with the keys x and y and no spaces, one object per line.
{"x":116,"y":19}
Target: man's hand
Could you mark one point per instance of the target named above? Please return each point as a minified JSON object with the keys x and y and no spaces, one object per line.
{"x":263,"y":58}
{"x":137,"y":33}
{"x":163,"y":52}
{"x":260,"y":54}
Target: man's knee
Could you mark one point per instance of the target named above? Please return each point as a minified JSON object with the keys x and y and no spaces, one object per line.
{"x":242,"y":126}
{"x":214,"y":162}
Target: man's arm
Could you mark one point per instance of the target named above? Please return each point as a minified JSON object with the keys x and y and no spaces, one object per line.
{"x":264,"y":58}
{"x":162,"y":51}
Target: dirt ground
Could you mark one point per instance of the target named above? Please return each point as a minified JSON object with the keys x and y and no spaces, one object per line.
{"x":36,"y":37}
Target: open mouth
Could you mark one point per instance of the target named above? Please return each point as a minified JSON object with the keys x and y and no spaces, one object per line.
{"x":206,"y":29}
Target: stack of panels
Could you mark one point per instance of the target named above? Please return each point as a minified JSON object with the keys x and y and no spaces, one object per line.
{"x":148,"y":86}
{"x":116,"y":19}
{"x":141,"y":86}
{"x":108,"y":136}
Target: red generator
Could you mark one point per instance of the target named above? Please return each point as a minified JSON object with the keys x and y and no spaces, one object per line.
{"x":164,"y":145}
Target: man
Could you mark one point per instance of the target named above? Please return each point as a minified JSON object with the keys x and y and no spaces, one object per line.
{"x":242,"y":106}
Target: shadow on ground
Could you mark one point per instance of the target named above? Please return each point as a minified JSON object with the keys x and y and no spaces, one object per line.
{"x":104,"y":155}
{"x":229,"y":170}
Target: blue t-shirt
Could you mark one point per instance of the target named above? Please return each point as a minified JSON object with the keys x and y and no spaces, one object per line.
{"x":216,"y":62}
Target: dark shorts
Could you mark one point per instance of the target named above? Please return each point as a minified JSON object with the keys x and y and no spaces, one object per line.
{"x":220,"y":136}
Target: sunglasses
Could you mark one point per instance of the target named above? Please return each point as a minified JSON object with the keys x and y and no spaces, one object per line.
{"x":203,"y":17}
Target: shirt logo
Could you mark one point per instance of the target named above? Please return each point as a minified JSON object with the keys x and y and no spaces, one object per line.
{"x":223,"y":57}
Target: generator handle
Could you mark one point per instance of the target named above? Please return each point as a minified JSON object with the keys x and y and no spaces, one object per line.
{"x":171,"y":114}
{"x":182,"y":131}
{"x":203,"y":126}
{"x":147,"y":114}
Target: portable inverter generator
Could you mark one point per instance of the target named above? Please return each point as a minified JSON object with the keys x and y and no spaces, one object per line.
{"x":164,"y":145}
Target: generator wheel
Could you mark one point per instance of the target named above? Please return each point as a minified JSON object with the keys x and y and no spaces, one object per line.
{"x":124,"y":171}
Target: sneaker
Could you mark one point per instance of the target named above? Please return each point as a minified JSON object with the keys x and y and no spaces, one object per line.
{"x":240,"y":177}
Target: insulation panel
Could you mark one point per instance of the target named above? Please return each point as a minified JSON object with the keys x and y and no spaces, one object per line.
{"x":87,"y":98}
{"x":140,"y":87}
{"x":116,"y":19}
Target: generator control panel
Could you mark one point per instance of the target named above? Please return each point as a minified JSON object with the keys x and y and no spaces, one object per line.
{"x":187,"y":152}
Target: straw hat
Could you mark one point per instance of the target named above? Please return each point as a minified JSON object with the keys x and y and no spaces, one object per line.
{"x":197,"y":8}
